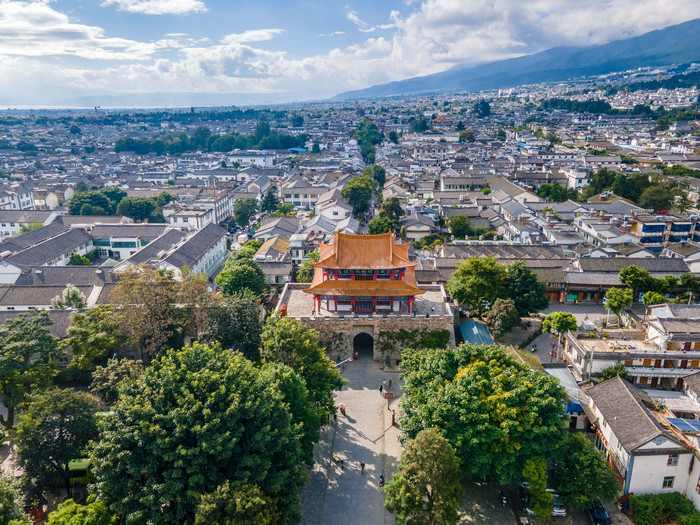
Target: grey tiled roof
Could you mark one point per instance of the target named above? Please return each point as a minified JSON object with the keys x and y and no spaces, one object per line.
{"x":62,"y":275}
{"x":48,"y":250}
{"x":163,"y":243}
{"x":622,"y":407}
{"x":615,"y":264}
{"x":141,"y":231}
{"x":191,"y":252}
{"x":33,"y":237}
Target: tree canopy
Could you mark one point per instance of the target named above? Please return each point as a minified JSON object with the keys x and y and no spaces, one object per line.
{"x":213,"y":417}
{"x":243,"y":210}
{"x":502,"y":316}
{"x":617,"y":299}
{"x":525,"y":290}
{"x":358,"y":192}
{"x":379,"y":225}
{"x":56,"y":429}
{"x":270,"y":202}
{"x":427,"y":487}
{"x":240,"y":276}
{"x":495,"y":412}
{"x":392,"y":210}
{"x":478,"y":282}
{"x":27,"y":359}
{"x":235,"y":323}
{"x":288,"y":341}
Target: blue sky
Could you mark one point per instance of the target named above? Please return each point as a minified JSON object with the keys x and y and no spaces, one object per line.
{"x":53,"y":50}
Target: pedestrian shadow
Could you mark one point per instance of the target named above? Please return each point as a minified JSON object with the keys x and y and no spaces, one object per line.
{"x":350,"y":419}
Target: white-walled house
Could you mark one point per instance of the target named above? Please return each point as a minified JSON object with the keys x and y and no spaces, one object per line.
{"x":648,"y":458}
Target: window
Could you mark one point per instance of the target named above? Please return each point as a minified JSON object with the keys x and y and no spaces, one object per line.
{"x":672,"y":460}
{"x":668,"y":482}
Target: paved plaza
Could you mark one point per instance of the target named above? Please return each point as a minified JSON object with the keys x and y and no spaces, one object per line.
{"x":347,"y":496}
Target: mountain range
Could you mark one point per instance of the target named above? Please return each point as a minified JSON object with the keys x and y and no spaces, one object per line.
{"x":678,"y":44}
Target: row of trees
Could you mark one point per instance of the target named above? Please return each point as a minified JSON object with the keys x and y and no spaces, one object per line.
{"x":230,"y":419}
{"x":368,"y":136}
{"x":111,"y":200}
{"x":474,"y":413}
{"x":203,"y":140}
{"x":360,"y":189}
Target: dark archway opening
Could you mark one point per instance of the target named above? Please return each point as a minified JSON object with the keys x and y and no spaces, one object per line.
{"x":363,"y":344}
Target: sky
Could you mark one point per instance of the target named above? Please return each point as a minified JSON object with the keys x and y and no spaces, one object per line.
{"x":286,"y":50}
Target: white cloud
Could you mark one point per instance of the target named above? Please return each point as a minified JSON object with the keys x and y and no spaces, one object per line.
{"x":334,"y":33}
{"x":435,"y":35}
{"x":36,"y":29}
{"x":158,"y":7}
{"x":352,"y":16}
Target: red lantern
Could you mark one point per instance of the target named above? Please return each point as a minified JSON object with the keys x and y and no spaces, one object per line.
{"x":392,"y":299}
{"x":325,"y":274}
{"x":374,"y":300}
{"x":352,"y":300}
{"x":335,"y":299}
{"x":336,"y":275}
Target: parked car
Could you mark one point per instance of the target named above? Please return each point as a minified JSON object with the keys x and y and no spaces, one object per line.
{"x":598,"y":514}
{"x":558,"y":508}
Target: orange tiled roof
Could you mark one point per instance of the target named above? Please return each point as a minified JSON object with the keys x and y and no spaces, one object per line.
{"x":364,"y":288}
{"x":364,"y":252}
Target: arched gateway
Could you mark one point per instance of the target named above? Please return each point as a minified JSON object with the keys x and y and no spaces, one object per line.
{"x":363,"y":344}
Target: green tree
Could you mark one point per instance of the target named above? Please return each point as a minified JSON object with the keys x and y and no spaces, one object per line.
{"x":378,"y":173}
{"x":466,"y":136}
{"x":495,"y":411}
{"x":78,"y":260}
{"x":71,"y":297}
{"x":637,"y":279}
{"x":652,"y":298}
{"x":240,"y":504}
{"x":238,"y":276}
{"x":11,"y":503}
{"x":559,"y":323}
{"x":92,"y":513}
{"x":477,"y":283}
{"x":617,"y":299}
{"x":656,"y":197}
{"x":502,"y":316}
{"x":394,"y":137}
{"x":243,"y":210}
{"x":379,"y":225}
{"x":106,"y":380}
{"x":481,"y":109}
{"x":297,"y":121}
{"x":288,"y":341}
{"x":213,"y":417}
{"x":137,"y":208}
{"x":304,"y":414}
{"x":315,"y":148}
{"x":526,"y":291}
{"x":235,"y":323}
{"x":358,"y":192}
{"x":270,"y":202}
{"x":391,"y":209}
{"x":81,"y":187}
{"x":418,"y":125}
{"x":501,"y":135}
{"x":92,"y":336}
{"x":402,"y":232}
{"x":535,"y":471}
{"x":56,"y":429}
{"x":27,"y":359}
{"x":460,"y":226}
{"x":582,"y":474}
{"x":75,"y":130}
{"x":426,"y":488}
{"x":305,"y":273}
{"x":614,"y":371}
{"x":460,"y":126}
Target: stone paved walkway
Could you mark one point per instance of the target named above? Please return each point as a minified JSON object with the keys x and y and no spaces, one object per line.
{"x":335,"y":496}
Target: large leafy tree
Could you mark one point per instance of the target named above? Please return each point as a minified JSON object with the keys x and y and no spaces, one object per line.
{"x":581,"y":473}
{"x":212,"y":416}
{"x":426,"y":488}
{"x":288,"y":341}
{"x":237,"y":504}
{"x":478,"y":282}
{"x":147,"y":308}
{"x":378,"y":173}
{"x":652,"y":298}
{"x":379,"y":225}
{"x":27,"y":359}
{"x":303,"y":412}
{"x":270,"y":202}
{"x":617,"y":299}
{"x":243,"y":210}
{"x":235,"y":323}
{"x":657,"y":198}
{"x":525,"y":290}
{"x":615,"y":371}
{"x":535,"y":471}
{"x":392,"y":210}
{"x":460,"y":226}
{"x":502,"y":316}
{"x":241,"y":275}
{"x":56,"y":429}
{"x":559,"y":323}
{"x":358,"y":192}
{"x":495,"y":412}
{"x":92,"y":336}
{"x":106,"y":380}
{"x":11,"y":504}
{"x":71,"y":297}
{"x":637,"y":279}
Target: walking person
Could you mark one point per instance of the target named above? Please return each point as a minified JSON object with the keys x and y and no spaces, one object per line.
{"x":362,"y":467}
{"x":384,"y":384}
{"x":342,"y":465}
{"x":389,"y":385}
{"x":381,"y":390}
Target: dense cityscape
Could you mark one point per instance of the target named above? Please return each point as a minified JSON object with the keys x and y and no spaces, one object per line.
{"x":477,"y":306}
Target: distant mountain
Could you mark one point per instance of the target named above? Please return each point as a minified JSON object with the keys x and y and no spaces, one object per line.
{"x":165,"y":100}
{"x":671,"y":45}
